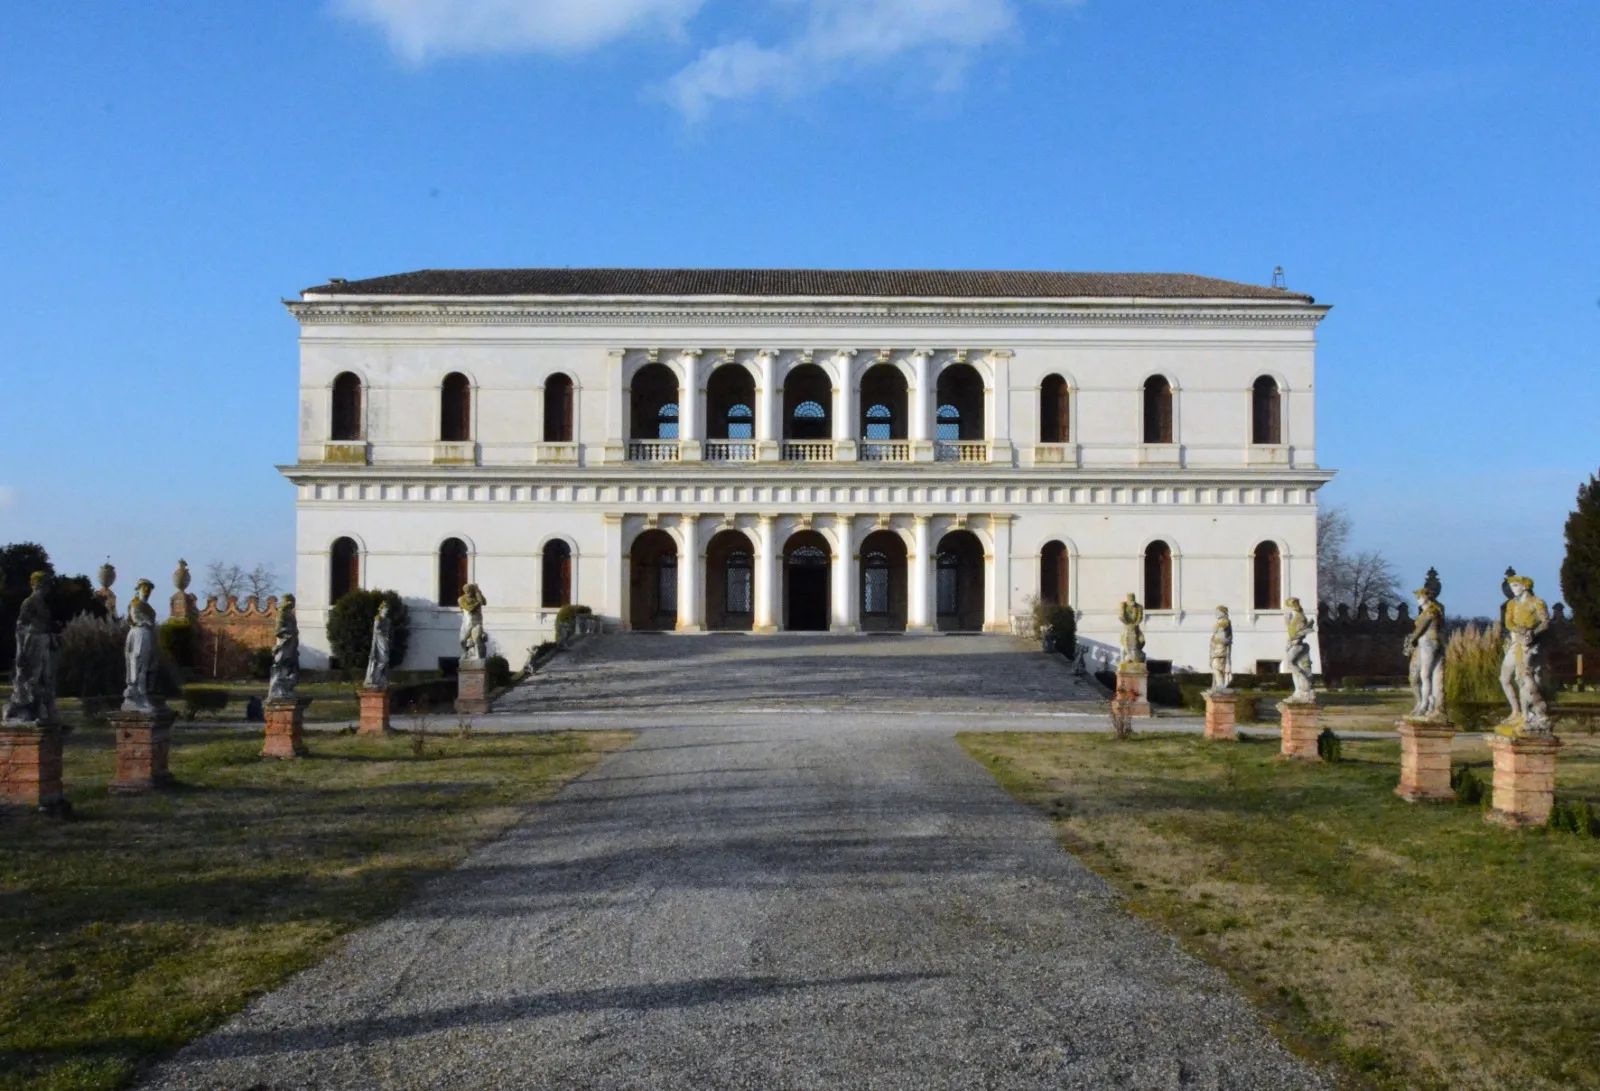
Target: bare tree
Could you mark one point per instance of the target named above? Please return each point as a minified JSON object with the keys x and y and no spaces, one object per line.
{"x":231,"y":580}
{"x":1350,"y":579}
{"x":261,"y":581}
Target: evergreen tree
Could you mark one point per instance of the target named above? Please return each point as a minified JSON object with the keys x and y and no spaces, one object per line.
{"x":1580,"y":572}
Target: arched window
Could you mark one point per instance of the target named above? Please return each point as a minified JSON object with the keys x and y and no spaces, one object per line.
{"x":1266,"y":411}
{"x":809,"y":411}
{"x":452,"y":571}
{"x":558,"y":409}
{"x":555,"y":590}
{"x":344,"y":569}
{"x":1158,"y":576}
{"x":1157,"y":410}
{"x":1055,"y":404}
{"x":1053,"y":574}
{"x":667,"y":421}
{"x":947,"y":423}
{"x":741,"y":583}
{"x":880,"y":423}
{"x":741,"y":422}
{"x":455,"y":408}
{"x":346,"y":418}
{"x":875,"y":583}
{"x":1268,"y":566}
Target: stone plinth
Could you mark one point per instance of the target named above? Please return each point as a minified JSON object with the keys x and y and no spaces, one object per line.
{"x":472,"y":688}
{"x":30,"y":768}
{"x":144,"y":740}
{"x":1299,"y":725}
{"x":1524,"y":779}
{"x":1425,"y":760}
{"x":1222,"y":717}
{"x":285,"y":728}
{"x":1133,"y":687}
{"x":374,"y":712}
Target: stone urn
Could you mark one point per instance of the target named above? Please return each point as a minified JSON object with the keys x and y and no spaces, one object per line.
{"x":180,"y":575}
{"x":108,"y":576}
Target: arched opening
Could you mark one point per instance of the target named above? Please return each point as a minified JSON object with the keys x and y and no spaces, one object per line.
{"x":555,"y":575}
{"x":1158,"y":576}
{"x":558,"y":409}
{"x":807,"y":394}
{"x":1268,"y":567}
{"x":808,"y":560}
{"x":455,"y":408}
{"x":345,"y":423}
{"x":344,"y":569}
{"x":1266,"y":411}
{"x":883,"y":404}
{"x":960,"y":402}
{"x":1157,"y":410}
{"x":653,"y":582}
{"x":1055,"y":410}
{"x":883,"y":583}
{"x":654,"y":403}
{"x":958,"y":583}
{"x":730,"y":582}
{"x":453,"y":578}
{"x":1053,"y":586}
{"x":729,"y":396}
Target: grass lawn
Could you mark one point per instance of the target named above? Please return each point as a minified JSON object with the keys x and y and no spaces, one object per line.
{"x":148,"y":920}
{"x":1413,"y":944}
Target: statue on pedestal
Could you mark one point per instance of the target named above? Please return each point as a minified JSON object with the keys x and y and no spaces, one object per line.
{"x":107,"y":597}
{"x":1526,"y":618}
{"x":1222,"y":652}
{"x":1297,"y":652}
{"x":1131,"y":615}
{"x":139,"y":650}
{"x":378,"y":660}
{"x":285,"y":654}
{"x":474,"y":641}
{"x":33,"y":671}
{"x":1425,"y":647}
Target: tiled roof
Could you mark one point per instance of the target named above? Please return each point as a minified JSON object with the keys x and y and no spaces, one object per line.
{"x":805,"y":283}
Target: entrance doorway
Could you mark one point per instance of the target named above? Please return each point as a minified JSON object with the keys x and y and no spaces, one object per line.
{"x":958,"y":592}
{"x":808,"y":562}
{"x":653,"y":582}
{"x":883,"y":583}
{"x":730,"y":583}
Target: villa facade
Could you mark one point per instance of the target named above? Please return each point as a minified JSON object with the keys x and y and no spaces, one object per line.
{"x":769,"y":450}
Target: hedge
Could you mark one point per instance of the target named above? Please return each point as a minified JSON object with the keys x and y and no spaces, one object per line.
{"x":198,"y":699}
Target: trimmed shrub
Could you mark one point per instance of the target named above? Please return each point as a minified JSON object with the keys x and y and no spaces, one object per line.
{"x":1575,"y":816}
{"x":1469,"y":789}
{"x":1061,"y":629}
{"x":179,"y":641}
{"x":89,"y":659}
{"x":261,"y":664}
{"x":1164,"y":690}
{"x":1328,"y":746}
{"x":497,"y":672}
{"x":1245,"y":709}
{"x":350,"y":628}
{"x":433,"y":695}
{"x":198,"y":699}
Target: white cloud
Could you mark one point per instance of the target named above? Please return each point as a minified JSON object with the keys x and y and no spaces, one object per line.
{"x":420,"y":30}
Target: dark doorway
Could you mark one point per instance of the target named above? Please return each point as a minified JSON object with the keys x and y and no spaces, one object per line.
{"x":958,"y":592}
{"x":883,"y":583}
{"x":653,"y":582}
{"x":730,"y":583}
{"x":808,"y":564}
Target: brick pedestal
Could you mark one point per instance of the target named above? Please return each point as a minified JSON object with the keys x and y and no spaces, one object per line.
{"x":472,"y":689}
{"x":285,"y":723}
{"x":1222,"y":717}
{"x":374,"y":712}
{"x":144,"y":739}
{"x":1524,"y":779}
{"x":30,"y":768}
{"x":1133,"y":686}
{"x":1299,"y":725}
{"x":1425,"y":760}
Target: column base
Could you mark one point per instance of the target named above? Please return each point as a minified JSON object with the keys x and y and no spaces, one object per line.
{"x":844,"y":450}
{"x":1299,"y":726}
{"x":285,"y":729}
{"x":1524,"y":779}
{"x":1222,"y":717}
{"x":1133,"y":689}
{"x":1425,"y":760}
{"x":768,"y":451}
{"x":692,"y":627}
{"x":144,"y":740}
{"x":847,"y":628}
{"x":374,"y":712}
{"x":472,"y":689}
{"x":30,"y":768}
{"x":922,"y":450}
{"x":921,"y":629}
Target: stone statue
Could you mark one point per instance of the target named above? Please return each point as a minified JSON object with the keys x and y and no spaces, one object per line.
{"x":107,"y":597}
{"x":474,"y":641}
{"x":1425,"y":647}
{"x":1297,"y":652}
{"x":180,"y":575}
{"x":139,"y":650}
{"x":1521,"y":671}
{"x":1222,"y":652}
{"x":33,"y":671}
{"x":285,"y":654}
{"x":1132,"y":616}
{"x":378,"y":660}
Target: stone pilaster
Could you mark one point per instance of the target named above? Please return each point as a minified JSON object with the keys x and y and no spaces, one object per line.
{"x":1299,"y":726}
{"x":1133,"y":688}
{"x":144,"y":741}
{"x":1425,"y":760}
{"x":1222,"y":717}
{"x":30,"y":768}
{"x":374,"y":712}
{"x":472,"y":688}
{"x":1524,"y":779}
{"x":285,"y":729}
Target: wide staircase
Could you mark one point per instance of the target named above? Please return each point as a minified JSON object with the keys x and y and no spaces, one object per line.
{"x":735,"y":672}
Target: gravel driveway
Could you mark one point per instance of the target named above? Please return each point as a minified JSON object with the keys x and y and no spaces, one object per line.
{"x":759,"y":901}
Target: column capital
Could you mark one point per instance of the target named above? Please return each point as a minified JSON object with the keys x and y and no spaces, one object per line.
{"x":921,"y":355}
{"x":766,"y":520}
{"x":844,"y":354}
{"x":689,"y":355}
{"x":1000,"y":519}
{"x":612,"y":519}
{"x":1001,"y":354}
{"x":921,"y":520}
{"x":616,"y":354}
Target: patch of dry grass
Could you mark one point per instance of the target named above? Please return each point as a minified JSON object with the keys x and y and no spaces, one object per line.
{"x":147,"y":921}
{"x":1413,"y":944}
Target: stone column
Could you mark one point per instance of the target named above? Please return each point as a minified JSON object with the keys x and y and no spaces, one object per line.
{"x":1425,"y":760}
{"x":1298,"y":724}
{"x":285,"y":723}
{"x":690,"y":396}
{"x":30,"y":768}
{"x":922,"y":396}
{"x":690,"y":566}
{"x":1222,"y":717}
{"x":1524,"y":779}
{"x":144,"y":741}
{"x":997,"y":588}
{"x":374,"y":712}
{"x":919,"y":582}
{"x":846,"y":595}
{"x":998,"y":415}
{"x":766,"y":368}
{"x":616,"y":593}
{"x":617,"y":395}
{"x":844,"y":407}
{"x":766,"y":574}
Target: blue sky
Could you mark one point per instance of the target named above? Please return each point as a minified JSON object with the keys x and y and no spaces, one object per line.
{"x":171,"y":171}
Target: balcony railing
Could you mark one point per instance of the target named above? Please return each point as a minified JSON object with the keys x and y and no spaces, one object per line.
{"x":897,"y":450}
{"x":807,"y":450}
{"x":728,"y":450}
{"x":652,"y":450}
{"x":961,"y":451}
